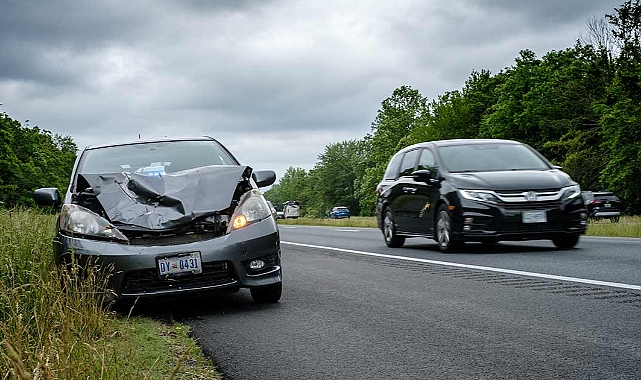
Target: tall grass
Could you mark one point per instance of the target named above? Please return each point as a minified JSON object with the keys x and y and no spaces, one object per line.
{"x":48,"y":333}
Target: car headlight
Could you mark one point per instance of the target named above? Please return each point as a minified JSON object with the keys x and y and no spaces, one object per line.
{"x":252,"y":208}
{"x":479,"y":195}
{"x":571,"y":192}
{"x":77,"y":220}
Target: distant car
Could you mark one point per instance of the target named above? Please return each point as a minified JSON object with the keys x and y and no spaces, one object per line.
{"x":485,"y":190}
{"x":602,"y":205}
{"x":291,"y":209}
{"x":280,"y":215}
{"x":339,"y":213}
{"x":173,"y":217}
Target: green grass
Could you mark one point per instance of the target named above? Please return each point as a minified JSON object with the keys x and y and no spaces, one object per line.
{"x":628,"y":226}
{"x":354,"y":221}
{"x":50,"y":334}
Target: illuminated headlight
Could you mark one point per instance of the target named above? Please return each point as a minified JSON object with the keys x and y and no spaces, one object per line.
{"x":571,"y":192}
{"x":479,"y":195}
{"x":77,"y":220}
{"x":251,"y":208}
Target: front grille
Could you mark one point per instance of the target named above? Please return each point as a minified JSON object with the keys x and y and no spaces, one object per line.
{"x":163,"y":240}
{"x":541,"y":205}
{"x":147,"y":280}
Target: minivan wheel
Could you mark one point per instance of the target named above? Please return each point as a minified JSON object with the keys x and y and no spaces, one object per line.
{"x":566,"y":242}
{"x":389,"y":232}
{"x":267,"y":294}
{"x":444,"y":232}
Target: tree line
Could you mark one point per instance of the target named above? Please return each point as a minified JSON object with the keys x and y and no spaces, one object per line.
{"x":580,"y":107}
{"x":30,"y":158}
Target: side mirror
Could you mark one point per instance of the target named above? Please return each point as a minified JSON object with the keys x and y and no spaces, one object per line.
{"x":422,"y":176}
{"x":264,"y":177}
{"x":48,"y":196}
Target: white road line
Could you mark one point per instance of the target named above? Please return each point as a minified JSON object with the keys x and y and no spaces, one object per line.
{"x":288,"y":227}
{"x":477,"y":267}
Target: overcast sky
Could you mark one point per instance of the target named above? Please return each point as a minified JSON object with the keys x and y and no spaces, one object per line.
{"x":274,"y":81}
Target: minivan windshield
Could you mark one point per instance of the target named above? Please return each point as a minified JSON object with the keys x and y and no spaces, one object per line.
{"x":490,"y":157}
{"x":154,"y":158}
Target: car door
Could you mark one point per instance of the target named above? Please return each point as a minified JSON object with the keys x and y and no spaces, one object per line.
{"x":421,"y":216}
{"x":402,"y":195}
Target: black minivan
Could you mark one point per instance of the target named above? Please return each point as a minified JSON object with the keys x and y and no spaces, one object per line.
{"x":483,"y":190}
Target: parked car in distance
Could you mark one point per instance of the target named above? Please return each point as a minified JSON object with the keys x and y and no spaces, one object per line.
{"x":173,"y":217}
{"x":483,"y":190}
{"x":280,"y":215}
{"x":291,"y":209}
{"x":339,"y":212}
{"x":602,"y":205}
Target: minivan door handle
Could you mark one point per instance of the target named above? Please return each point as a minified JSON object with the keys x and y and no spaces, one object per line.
{"x":409,"y":190}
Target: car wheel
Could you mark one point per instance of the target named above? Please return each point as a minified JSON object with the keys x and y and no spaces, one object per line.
{"x":444,"y":237}
{"x":267,"y":294}
{"x":389,"y":232}
{"x":566,"y":242}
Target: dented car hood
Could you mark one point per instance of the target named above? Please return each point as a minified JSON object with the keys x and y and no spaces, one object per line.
{"x":168,"y":201}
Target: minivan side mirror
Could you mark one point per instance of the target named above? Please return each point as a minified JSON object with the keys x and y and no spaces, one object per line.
{"x":264,"y":177}
{"x":48,"y":196}
{"x":422,"y":176}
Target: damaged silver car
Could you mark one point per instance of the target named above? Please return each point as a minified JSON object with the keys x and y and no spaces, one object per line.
{"x":173,"y":217}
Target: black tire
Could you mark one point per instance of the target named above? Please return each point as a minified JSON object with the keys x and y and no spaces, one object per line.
{"x":444,"y":238}
{"x":267,"y":294}
{"x":566,"y":242}
{"x":389,"y":231}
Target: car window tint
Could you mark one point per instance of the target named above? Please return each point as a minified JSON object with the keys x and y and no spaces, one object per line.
{"x":490,"y":157}
{"x":392,"y":168}
{"x":427,"y":161}
{"x":409,"y":162}
{"x":152,"y":158}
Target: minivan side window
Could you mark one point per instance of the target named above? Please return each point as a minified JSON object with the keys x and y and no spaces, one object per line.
{"x":427,"y":161}
{"x":392,"y":168}
{"x":409,"y":162}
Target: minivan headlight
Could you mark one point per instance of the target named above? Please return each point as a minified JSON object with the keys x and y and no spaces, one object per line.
{"x":479,"y":195}
{"x":571,"y":192}
{"x":77,"y":220}
{"x":252,"y":208}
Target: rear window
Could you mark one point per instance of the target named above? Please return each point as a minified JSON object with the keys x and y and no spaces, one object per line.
{"x":606,"y":197}
{"x":154,"y":158}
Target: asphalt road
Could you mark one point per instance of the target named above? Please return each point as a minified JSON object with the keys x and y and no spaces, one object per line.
{"x":354,"y":315}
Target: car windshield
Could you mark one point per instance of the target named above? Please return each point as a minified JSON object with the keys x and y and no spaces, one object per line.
{"x":490,"y":157}
{"x":155,"y":158}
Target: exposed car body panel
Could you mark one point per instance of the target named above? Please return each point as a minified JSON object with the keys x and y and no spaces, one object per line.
{"x":162,"y":203}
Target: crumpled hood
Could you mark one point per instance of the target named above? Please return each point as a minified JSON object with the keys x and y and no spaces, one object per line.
{"x":512,"y":180}
{"x":168,"y":201}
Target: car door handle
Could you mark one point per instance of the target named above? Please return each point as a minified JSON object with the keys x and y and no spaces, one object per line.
{"x":409,"y":190}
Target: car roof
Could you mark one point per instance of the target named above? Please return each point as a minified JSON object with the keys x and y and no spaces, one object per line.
{"x":154,"y":140}
{"x":451,"y":142}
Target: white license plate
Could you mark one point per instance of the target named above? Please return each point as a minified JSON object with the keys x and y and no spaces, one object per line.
{"x":185,"y":263}
{"x":534,"y":217}
{"x":608,"y":205}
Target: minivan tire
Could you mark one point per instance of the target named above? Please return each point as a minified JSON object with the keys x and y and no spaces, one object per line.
{"x":566,"y":242}
{"x":443,"y":233}
{"x":389,"y":232}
